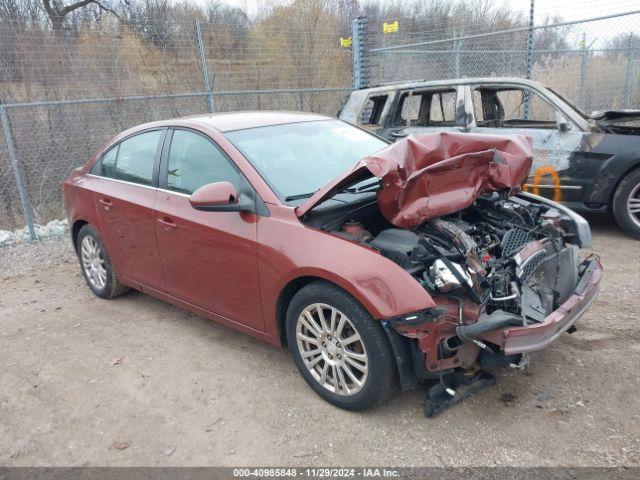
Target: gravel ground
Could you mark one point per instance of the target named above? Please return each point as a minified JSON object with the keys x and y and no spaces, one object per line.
{"x":135,"y":381}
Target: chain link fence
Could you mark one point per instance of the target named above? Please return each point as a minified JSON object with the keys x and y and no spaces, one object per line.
{"x":65,"y":94}
{"x":594,"y":62}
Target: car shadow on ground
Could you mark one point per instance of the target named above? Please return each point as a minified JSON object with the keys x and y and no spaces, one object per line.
{"x":604,"y":224}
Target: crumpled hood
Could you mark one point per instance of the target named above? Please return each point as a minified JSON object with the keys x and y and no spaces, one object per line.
{"x":435,"y":174}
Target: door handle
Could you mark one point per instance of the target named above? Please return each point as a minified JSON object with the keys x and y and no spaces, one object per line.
{"x":167,"y":224}
{"x":106,"y":203}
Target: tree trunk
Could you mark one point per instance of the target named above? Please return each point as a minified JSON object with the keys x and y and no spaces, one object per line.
{"x":57,"y":24}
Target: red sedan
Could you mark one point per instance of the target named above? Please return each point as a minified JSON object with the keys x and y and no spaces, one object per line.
{"x":369,"y":270}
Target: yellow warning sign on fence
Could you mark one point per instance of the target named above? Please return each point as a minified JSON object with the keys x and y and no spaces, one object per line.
{"x":345,"y":42}
{"x":390,"y":27}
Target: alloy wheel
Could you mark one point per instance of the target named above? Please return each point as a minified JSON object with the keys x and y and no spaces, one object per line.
{"x":633,"y":205}
{"x":332,"y":349}
{"x":93,"y":262}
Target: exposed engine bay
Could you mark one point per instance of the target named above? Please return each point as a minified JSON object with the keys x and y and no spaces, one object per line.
{"x":506,"y":254}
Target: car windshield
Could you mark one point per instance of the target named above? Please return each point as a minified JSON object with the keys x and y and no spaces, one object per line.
{"x":569,"y":102}
{"x":296,"y":159}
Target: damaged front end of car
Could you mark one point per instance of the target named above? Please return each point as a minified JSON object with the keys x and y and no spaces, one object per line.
{"x":503,"y":267}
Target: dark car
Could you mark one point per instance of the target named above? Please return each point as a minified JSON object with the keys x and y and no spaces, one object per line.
{"x":589,"y":163}
{"x":304,"y":230}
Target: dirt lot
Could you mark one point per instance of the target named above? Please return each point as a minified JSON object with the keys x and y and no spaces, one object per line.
{"x":135,"y":381}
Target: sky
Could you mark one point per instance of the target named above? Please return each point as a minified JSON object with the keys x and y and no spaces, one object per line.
{"x":596,"y":32}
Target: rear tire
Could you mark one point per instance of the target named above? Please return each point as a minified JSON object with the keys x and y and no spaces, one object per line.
{"x":626,"y":204}
{"x":96,"y":265}
{"x":345,"y":342}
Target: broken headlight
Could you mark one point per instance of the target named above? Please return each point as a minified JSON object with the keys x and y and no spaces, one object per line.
{"x":444,"y":279}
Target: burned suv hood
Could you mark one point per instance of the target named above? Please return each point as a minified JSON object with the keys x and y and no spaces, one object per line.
{"x":431,"y":175}
{"x":610,"y":115}
{"x":624,"y":121}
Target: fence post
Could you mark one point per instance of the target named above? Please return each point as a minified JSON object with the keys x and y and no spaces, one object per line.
{"x":456,"y":56}
{"x":13,"y":156}
{"x":528,"y":60}
{"x":583,"y":73}
{"x":358,"y":53}
{"x":628,"y":79}
{"x":203,"y":65}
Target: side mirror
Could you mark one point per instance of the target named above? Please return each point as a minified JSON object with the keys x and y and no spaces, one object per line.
{"x":563,"y":125}
{"x":219,"y":196}
{"x":399,"y":134}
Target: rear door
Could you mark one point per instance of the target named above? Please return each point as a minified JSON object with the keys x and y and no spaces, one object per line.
{"x":209,"y":258}
{"x":437,"y":109}
{"x":124,"y":195}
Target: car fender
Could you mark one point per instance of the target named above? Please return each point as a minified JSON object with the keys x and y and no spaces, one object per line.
{"x":372,"y":288}
{"x":289,"y":250}
{"x":613,"y":157}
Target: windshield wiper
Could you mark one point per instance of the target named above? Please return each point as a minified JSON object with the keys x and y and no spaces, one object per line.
{"x":369,"y":187}
{"x":299,"y":196}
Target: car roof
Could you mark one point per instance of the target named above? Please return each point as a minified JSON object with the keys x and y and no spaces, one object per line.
{"x":451,"y":82}
{"x":229,"y":121}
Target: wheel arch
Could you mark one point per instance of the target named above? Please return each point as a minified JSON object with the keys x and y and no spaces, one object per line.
{"x":629,"y":171}
{"x":289,"y":291}
{"x":75,"y":230}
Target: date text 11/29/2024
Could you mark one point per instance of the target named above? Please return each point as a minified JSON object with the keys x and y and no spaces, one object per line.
{"x":334,"y":472}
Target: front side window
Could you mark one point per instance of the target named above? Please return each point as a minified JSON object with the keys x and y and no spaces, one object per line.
{"x":507,"y":108}
{"x":194,"y":161}
{"x":296,"y":159}
{"x":136,"y":158}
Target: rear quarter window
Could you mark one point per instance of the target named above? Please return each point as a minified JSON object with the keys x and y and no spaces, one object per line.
{"x":371,"y":114}
{"x":131,"y":160}
{"x":106,"y":166}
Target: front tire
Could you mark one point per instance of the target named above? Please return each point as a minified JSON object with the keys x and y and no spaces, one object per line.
{"x":626,"y":204}
{"x":338,"y":348}
{"x":96,"y":265}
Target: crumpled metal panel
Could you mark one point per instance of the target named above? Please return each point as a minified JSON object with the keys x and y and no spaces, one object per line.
{"x":431,"y":175}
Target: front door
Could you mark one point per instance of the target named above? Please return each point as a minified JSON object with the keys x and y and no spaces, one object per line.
{"x":209,"y":258}
{"x":125,"y":196}
{"x":500,"y":110}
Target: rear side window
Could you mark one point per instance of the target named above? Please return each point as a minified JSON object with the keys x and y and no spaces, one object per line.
{"x":443,"y":108}
{"x":194,"y":161}
{"x":136,"y":157}
{"x":432,"y":108}
{"x":410,"y":111}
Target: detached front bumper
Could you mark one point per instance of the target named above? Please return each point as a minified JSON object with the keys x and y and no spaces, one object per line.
{"x":514,"y":340}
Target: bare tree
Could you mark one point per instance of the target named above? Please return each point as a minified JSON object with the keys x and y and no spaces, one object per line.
{"x":57,"y":12}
